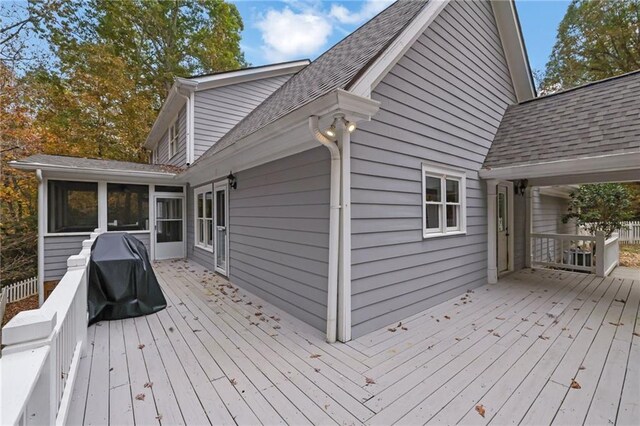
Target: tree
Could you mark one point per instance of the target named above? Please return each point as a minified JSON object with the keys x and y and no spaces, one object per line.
{"x":599,"y":207}
{"x":157,"y":39}
{"x":596,"y":39}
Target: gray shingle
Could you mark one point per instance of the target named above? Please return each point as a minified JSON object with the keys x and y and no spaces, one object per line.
{"x":92,"y":163}
{"x":337,"y":68}
{"x":596,"y":119}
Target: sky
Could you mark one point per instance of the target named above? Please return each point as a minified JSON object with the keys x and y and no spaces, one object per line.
{"x":284,"y":30}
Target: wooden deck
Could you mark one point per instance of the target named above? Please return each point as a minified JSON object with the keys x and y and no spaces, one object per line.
{"x":511,"y":350}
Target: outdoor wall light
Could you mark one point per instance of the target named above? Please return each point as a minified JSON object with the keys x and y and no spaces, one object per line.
{"x":233,"y":182}
{"x":331,"y":131}
{"x":351,"y":127}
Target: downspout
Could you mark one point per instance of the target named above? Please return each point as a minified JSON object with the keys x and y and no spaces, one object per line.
{"x":189,"y":108}
{"x":334,"y":229}
{"x":41,"y":225}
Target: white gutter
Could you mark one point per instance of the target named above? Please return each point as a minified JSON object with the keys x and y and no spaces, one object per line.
{"x":334,"y":228}
{"x":189,"y":111}
{"x":41,"y":231}
{"x":95,"y":171}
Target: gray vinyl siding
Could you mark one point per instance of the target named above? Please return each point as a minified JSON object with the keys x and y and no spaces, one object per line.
{"x":180,"y":158}
{"x":58,"y":248}
{"x":203,"y":257}
{"x":441,"y":103}
{"x":279,"y":233}
{"x":217,"y":110}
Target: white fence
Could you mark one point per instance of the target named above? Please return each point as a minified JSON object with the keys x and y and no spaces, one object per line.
{"x":43,"y":347}
{"x":585,"y":253}
{"x":21,"y":289}
{"x":630,"y":233}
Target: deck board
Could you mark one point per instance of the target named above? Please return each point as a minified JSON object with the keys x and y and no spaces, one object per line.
{"x":221,"y":355}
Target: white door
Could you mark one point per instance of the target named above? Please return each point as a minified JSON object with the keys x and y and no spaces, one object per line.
{"x":169,"y":227}
{"x":503,"y":213}
{"x":221,"y":227}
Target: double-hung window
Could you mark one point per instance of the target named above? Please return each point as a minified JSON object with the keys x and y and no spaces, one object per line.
{"x":203,"y":198}
{"x":174,"y":131}
{"x":444,"y":201}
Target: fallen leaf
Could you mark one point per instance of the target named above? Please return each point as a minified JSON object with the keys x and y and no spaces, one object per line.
{"x":315,"y":356}
{"x":399,"y":324}
{"x":500,"y":318}
{"x":370,"y":381}
{"x":480,"y":409}
{"x":159,"y":417}
{"x":588,"y":328}
{"x":393,"y":330}
{"x":171,"y":329}
{"x":233,"y":382}
{"x":141,"y":345}
{"x":276,"y":327}
{"x":404,"y":328}
{"x":496,"y":334}
{"x":447,"y":317}
{"x":636,"y":334}
{"x":524,"y":319}
{"x":582,"y":367}
{"x":543,"y":337}
{"x":258,"y":314}
{"x":575,"y":385}
{"x":140,"y":397}
{"x":621,"y":300}
{"x":317,"y":370}
{"x":148,"y":385}
{"x":615,"y":323}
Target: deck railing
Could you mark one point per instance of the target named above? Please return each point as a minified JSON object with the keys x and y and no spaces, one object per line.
{"x":586,"y":253}
{"x":43,"y":348}
{"x":629,"y":232}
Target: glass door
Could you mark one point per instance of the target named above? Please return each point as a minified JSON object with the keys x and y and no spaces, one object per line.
{"x":169,"y":226}
{"x":221,"y":237}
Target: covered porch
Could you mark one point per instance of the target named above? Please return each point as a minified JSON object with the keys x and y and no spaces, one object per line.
{"x":538,"y":347}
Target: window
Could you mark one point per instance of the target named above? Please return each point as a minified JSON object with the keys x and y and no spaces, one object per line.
{"x":127,"y":207}
{"x":167,"y":188}
{"x":72,"y":206}
{"x":174,"y":131}
{"x":443,"y":210}
{"x":204,"y":217}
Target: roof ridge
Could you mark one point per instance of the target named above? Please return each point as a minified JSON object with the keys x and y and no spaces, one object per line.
{"x":582,"y":86}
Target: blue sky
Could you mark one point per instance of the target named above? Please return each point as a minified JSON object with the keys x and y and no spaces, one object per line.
{"x":294,"y":29}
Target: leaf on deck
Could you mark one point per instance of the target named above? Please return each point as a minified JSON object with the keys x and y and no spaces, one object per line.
{"x":575,"y":385}
{"x":447,"y":317}
{"x":500,"y":318}
{"x":148,"y":385}
{"x":369,"y":381}
{"x":480,"y":409}
{"x":393,"y":330}
{"x":141,"y":345}
{"x":315,"y":356}
{"x":615,"y":323}
{"x":404,"y":328}
{"x":234,"y":382}
{"x":140,"y":397}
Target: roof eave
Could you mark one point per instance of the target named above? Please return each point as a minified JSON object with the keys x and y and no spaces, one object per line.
{"x":627,"y":161}
{"x":95,"y":172}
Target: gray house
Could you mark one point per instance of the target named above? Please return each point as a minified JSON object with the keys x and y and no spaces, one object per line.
{"x":392,"y":173}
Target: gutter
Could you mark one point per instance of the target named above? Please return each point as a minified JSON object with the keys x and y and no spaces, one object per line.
{"x":96,"y":171}
{"x":334,"y":228}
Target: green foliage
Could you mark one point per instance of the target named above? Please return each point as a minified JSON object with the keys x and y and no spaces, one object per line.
{"x":596,"y":39}
{"x":600,"y":207}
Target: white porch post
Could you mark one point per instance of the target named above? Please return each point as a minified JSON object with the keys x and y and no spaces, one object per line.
{"x":528,"y":226}
{"x":492,"y":261}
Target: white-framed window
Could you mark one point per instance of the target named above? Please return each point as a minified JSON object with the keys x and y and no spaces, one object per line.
{"x":203,"y":209}
{"x":174,"y":131}
{"x":444,"y":201}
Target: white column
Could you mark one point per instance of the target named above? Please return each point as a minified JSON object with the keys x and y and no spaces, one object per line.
{"x":102,"y":206}
{"x":528,"y":226}
{"x":344,"y":274}
{"x":492,"y":253}
{"x":42,"y":223}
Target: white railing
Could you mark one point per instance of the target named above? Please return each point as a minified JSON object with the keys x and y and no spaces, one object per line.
{"x":585,"y":253}
{"x":21,"y":289}
{"x":43,"y":348}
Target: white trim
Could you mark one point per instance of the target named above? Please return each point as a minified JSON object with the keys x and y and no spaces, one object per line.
{"x":197,"y":191}
{"x":42,"y":229}
{"x":492,"y":244}
{"x":175,"y":195}
{"x":174,"y":128}
{"x":217,"y":187}
{"x":190,"y":155}
{"x":344,"y":288}
{"x":444,"y":173}
{"x":376,"y":72}
{"x":510,"y":225}
{"x":95,"y":174}
{"x":514,"y":48}
{"x":573,"y":166}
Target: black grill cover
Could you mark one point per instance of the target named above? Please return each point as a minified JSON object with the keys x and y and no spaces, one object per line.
{"x":122,"y":283}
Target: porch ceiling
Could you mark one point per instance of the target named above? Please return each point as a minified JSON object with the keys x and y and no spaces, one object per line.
{"x":220,"y":355}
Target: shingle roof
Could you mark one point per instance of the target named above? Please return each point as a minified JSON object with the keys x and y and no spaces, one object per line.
{"x":96,"y":164}
{"x":595,"y":119}
{"x":337,"y":68}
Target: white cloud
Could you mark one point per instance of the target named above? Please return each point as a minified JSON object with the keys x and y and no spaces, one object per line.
{"x":369,"y":9}
{"x":290,"y":35}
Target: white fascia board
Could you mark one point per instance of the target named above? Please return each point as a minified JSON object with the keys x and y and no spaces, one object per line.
{"x":597,"y":164}
{"x":514,"y":48}
{"x":242,"y":76}
{"x":170,"y":109}
{"x":67,"y":172}
{"x":286,"y":136}
{"x":376,"y":72}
